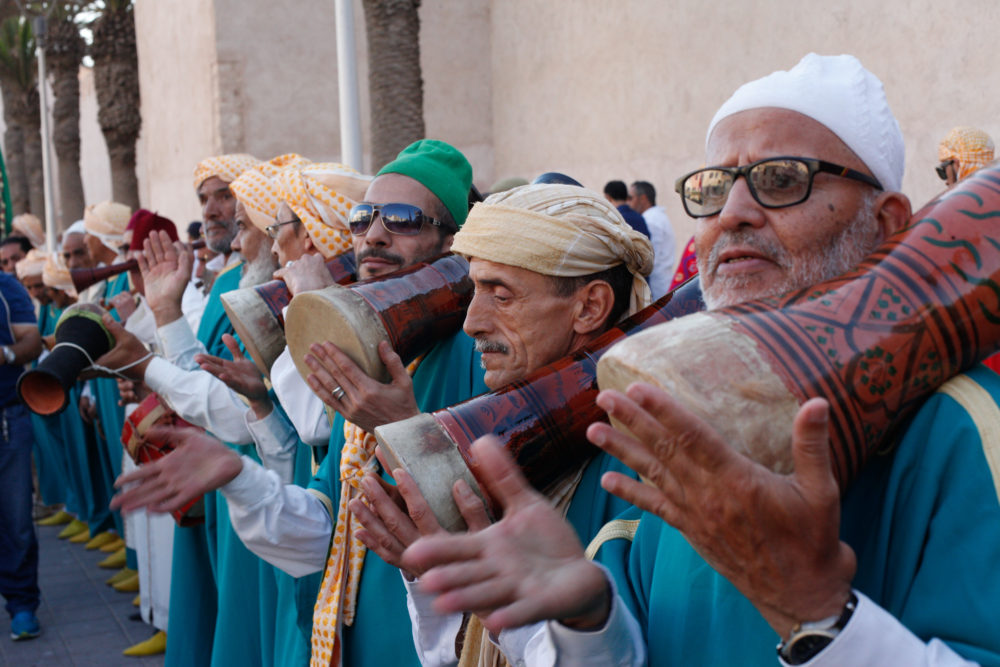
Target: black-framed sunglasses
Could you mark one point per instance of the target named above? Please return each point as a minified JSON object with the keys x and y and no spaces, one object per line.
{"x":403,"y":219}
{"x":272,"y":230}
{"x":775,"y":182}
{"x":942,"y":169}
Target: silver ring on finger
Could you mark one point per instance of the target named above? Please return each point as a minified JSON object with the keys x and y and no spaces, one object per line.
{"x":338,"y":393}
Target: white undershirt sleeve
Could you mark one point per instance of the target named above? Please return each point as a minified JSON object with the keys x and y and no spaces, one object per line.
{"x":284,"y":524}
{"x":179,"y":344}
{"x":874,"y":637}
{"x":434,"y":634}
{"x":276,"y":443}
{"x":305,"y":410}
{"x":200,"y":398}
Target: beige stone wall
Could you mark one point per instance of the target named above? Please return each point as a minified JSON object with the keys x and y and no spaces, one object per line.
{"x":596,"y":89}
{"x":625,"y":90}
{"x":178,"y":71}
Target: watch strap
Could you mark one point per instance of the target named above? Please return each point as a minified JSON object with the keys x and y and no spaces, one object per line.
{"x":806,"y":640}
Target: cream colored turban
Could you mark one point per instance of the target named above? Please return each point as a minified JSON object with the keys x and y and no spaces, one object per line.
{"x":557,"y":230}
{"x":257,"y":190}
{"x":107,"y":221}
{"x":971,"y":147}
{"x":29,"y":227}
{"x":32,"y":264}
{"x":226,"y":167}
{"x":322,"y":195}
{"x":56,"y":275}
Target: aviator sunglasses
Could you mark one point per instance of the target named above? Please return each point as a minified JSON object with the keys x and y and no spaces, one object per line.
{"x":403,"y":219}
{"x":773,"y":183}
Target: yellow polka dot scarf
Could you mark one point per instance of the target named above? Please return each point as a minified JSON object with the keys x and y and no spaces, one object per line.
{"x":322,"y":195}
{"x":227,"y":167}
{"x":258,"y":191}
{"x":971,"y":147}
{"x":338,"y":593}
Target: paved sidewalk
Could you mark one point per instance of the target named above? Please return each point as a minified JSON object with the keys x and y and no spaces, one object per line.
{"x":84,"y":622}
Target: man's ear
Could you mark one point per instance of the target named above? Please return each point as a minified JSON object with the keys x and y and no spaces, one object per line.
{"x":595,"y":301}
{"x":892,"y":211}
{"x":446,"y":242}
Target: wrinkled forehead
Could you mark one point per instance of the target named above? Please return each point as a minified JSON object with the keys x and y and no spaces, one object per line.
{"x":515,"y":278}
{"x":756,"y":134}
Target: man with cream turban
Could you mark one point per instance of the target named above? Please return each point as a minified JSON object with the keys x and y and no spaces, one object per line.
{"x":554,"y":267}
{"x":30,"y":227}
{"x":292,"y":527}
{"x":963,"y":152}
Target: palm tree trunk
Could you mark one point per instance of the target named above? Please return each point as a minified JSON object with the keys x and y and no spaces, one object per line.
{"x":116,"y":80}
{"x":31,"y":122}
{"x":13,"y":138}
{"x":63,"y":52}
{"x":394,"y":76}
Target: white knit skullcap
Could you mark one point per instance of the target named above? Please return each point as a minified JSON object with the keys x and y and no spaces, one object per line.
{"x":839,"y":93}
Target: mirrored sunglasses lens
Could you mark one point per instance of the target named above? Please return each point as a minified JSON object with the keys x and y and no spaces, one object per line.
{"x":402,"y":219}
{"x":360,"y":219}
{"x":780,"y":182}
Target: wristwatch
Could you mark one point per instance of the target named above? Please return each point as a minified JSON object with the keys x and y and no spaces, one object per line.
{"x":8,"y":354}
{"x":808,"y":639}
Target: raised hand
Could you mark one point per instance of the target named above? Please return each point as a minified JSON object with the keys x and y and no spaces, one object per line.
{"x":166,"y":271}
{"x":775,"y":537}
{"x":394,"y":517}
{"x":342,"y":385}
{"x":527,"y":567}
{"x":305,"y":274}
{"x":199,"y":463}
{"x":240,"y":374}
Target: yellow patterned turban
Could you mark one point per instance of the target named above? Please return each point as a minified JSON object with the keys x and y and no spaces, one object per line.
{"x":322,"y":195}
{"x":971,"y":147}
{"x":107,"y":221}
{"x":32,"y":264}
{"x":56,"y":275}
{"x":557,"y":230}
{"x":29,"y":227}
{"x":226,"y":167}
{"x":257,"y":189}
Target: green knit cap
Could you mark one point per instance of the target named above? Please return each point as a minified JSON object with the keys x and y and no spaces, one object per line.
{"x":439,"y":167}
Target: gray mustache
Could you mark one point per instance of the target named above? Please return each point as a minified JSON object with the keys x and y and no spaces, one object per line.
{"x":484,"y":345}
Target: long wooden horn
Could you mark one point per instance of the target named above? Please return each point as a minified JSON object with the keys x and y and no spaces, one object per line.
{"x":541,"y":419}
{"x":84,"y":278}
{"x":875,"y":342}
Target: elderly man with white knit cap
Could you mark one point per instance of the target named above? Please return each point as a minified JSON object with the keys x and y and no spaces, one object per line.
{"x":729,"y":559}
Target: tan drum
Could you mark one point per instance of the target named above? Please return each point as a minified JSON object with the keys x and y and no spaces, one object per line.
{"x":411,"y":309}
{"x":256,"y":312}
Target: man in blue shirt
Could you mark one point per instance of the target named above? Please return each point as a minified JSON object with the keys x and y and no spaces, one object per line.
{"x":20,"y":343}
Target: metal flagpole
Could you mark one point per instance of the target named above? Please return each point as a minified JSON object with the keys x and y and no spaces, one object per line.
{"x":347,"y":82}
{"x":43,"y":97}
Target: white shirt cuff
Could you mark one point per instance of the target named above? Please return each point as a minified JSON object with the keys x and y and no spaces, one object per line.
{"x":434,"y":634}
{"x":874,"y":637}
{"x":276,"y":442}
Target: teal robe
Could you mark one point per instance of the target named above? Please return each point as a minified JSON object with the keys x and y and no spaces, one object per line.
{"x":449,"y":373}
{"x":193,"y":590}
{"x":923,"y":520}
{"x":110,"y":415}
{"x":49,"y":449}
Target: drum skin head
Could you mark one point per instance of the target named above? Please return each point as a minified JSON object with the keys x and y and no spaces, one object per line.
{"x":256,"y":325}
{"x":342,"y":317}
